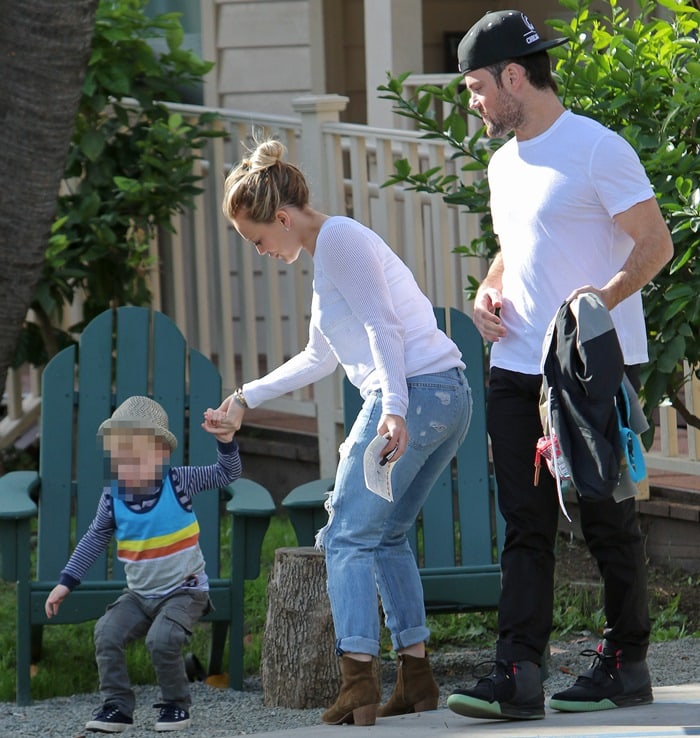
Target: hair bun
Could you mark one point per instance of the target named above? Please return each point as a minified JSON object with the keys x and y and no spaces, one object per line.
{"x":266,"y":155}
{"x":263,"y":183}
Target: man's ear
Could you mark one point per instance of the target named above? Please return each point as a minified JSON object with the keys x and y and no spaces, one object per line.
{"x":513,"y":75}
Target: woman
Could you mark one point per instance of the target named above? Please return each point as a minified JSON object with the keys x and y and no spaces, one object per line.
{"x":368,"y":314}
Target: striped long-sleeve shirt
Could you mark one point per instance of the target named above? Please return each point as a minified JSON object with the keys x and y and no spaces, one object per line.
{"x":187,"y":481}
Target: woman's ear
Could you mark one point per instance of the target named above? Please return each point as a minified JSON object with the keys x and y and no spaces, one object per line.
{"x":283,"y":219}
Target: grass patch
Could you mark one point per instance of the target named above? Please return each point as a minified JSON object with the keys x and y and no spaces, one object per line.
{"x":68,"y":663}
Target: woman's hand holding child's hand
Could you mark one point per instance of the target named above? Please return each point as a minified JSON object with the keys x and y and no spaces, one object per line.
{"x":224,"y":421}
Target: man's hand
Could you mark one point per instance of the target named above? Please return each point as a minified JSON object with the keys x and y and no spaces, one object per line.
{"x":55,"y":598}
{"x":587,"y":288}
{"x":487,"y":305}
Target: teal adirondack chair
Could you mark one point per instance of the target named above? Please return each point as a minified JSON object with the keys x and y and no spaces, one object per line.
{"x":458,"y":536}
{"x":128,"y":351}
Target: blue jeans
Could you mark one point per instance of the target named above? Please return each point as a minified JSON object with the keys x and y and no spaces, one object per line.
{"x":365,"y":538}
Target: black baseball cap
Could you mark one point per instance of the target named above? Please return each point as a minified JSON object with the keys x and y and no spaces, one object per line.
{"x":500,"y":35}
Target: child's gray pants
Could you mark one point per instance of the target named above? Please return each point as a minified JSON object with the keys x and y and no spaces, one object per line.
{"x":167,"y":624}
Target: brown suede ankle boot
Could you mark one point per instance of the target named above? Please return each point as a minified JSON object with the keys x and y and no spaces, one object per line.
{"x":416,"y":690}
{"x":359,"y":694}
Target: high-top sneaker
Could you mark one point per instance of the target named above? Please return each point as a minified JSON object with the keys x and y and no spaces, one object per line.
{"x":512,"y":691}
{"x":610,"y":682}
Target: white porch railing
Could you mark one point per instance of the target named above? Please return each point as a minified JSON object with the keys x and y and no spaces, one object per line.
{"x":250,"y":313}
{"x":677,"y":449}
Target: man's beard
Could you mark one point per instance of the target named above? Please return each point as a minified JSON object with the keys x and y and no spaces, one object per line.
{"x":509,"y":117}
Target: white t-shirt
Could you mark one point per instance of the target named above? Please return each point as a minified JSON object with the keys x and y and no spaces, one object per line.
{"x":368,"y":314}
{"x":553,"y":198}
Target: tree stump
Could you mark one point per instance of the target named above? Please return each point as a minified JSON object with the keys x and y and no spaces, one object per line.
{"x":299,"y":667}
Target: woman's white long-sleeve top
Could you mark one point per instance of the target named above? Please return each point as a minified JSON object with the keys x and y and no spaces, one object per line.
{"x":368,"y":314}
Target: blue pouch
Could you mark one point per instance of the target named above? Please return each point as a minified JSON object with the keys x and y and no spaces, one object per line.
{"x":631,"y":445}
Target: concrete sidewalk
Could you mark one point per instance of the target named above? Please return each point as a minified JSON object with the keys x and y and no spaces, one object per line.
{"x":675,"y":712}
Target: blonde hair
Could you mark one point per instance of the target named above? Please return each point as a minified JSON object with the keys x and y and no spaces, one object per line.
{"x":262,"y":184}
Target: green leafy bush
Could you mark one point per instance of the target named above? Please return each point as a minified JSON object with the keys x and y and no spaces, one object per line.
{"x":636,"y":72}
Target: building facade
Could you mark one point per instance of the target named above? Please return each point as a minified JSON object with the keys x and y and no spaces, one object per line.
{"x":268,"y":52}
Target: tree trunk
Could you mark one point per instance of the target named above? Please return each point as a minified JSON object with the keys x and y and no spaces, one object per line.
{"x":299,"y":667}
{"x":44,"y":49}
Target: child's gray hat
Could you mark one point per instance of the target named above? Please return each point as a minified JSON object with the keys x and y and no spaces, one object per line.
{"x":500,"y":35}
{"x":140,"y":412}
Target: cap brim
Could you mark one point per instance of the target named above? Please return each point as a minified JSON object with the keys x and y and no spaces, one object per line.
{"x":543,"y":45}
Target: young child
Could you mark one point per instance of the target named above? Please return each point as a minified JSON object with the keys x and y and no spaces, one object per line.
{"x":147,"y":507}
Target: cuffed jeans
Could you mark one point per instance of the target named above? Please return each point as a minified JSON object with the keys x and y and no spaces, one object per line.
{"x":610,"y":528}
{"x":167,"y":624}
{"x":365,"y":539}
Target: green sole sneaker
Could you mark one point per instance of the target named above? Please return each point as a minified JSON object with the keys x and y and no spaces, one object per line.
{"x":633,"y":700}
{"x":476,"y":708}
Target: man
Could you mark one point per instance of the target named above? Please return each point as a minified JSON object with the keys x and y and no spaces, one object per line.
{"x":574,"y":212}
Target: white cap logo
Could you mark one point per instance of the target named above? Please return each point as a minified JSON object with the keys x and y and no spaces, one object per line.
{"x":531,"y":34}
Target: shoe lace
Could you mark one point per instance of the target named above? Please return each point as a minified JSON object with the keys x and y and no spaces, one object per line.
{"x":605,"y":665}
{"x":492,"y":678}
{"x":106,"y":711}
{"x":491,"y":670}
{"x":168,"y":711}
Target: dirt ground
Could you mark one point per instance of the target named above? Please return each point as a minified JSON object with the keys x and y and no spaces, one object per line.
{"x":575,"y":564}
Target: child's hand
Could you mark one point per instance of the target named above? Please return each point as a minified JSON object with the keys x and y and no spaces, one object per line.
{"x":215,"y":423}
{"x":214,"y":417}
{"x":55,"y":598}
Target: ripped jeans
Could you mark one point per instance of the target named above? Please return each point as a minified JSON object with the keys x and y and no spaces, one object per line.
{"x":365,"y":538}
